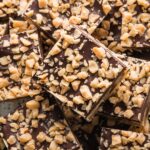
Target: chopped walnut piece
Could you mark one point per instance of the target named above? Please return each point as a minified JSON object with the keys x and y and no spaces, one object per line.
{"x":93,"y":17}
{"x":99,"y":52}
{"x":54,"y":51}
{"x":30,"y":145}
{"x":94,"y":83}
{"x":59,"y":139}
{"x":25,"y":41}
{"x":93,"y":66}
{"x":57,"y":22}
{"x":75,"y":20}
{"x":4,"y":82}
{"x":53,"y":145}
{"x":42,"y":3}
{"x":11,"y":140}
{"x":2,"y":120}
{"x":128,"y":113}
{"x":84,"y":13}
{"x":78,"y":100}
{"x":140,"y":138}
{"x":5,"y":60}
{"x":106,"y":8}
{"x":14,"y":39}
{"x":82,"y":75}
{"x":138,"y":100}
{"x":69,"y":136}
{"x":41,"y":137}
{"x":15,"y":116}
{"x":75,"y":85}
{"x":32,"y":104}
{"x":30,"y":63}
{"x":25,"y":138}
{"x":116,"y":139}
{"x":70,"y":78}
{"x":85,"y":92}
{"x":34,"y":123}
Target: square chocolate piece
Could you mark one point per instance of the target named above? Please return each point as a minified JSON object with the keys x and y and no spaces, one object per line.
{"x":20,"y":58}
{"x":135,"y":32}
{"x":38,"y":124}
{"x":80,"y":72}
{"x":53,"y":16}
{"x":109,"y":31}
{"x":119,"y":139}
{"x":130,"y":100}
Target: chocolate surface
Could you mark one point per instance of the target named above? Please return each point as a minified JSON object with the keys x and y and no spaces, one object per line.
{"x":135,"y":31}
{"x":131,"y":98}
{"x":79,"y":73}
{"x":39,"y":124}
{"x":120,"y":139}
{"x":54,"y":16}
{"x":19,"y":60}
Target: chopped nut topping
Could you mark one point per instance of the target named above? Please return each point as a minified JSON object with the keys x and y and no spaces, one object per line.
{"x":4,"y":83}
{"x":85,"y":92}
{"x":41,"y":137}
{"x":99,"y":52}
{"x":11,"y":140}
{"x":42,"y":3}
{"x":93,"y":67}
{"x":128,"y":113}
{"x":75,"y":85}
{"x":78,"y":100}
{"x":25,"y":42}
{"x":32,"y":104}
{"x":116,"y":139}
{"x":25,"y":138}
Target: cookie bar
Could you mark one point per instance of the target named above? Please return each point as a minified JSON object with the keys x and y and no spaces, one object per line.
{"x":112,"y":139}
{"x":18,"y":24}
{"x":80,"y":72}
{"x":53,"y":16}
{"x":130,"y":100}
{"x":135,"y":31}
{"x":109,"y":31}
{"x":39,"y":124}
{"x":20,"y":57}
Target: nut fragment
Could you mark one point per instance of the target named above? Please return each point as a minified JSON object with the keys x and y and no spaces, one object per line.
{"x":54,"y":51}
{"x":116,"y":139}
{"x":84,"y":13}
{"x":140,"y":138}
{"x":42,"y":3}
{"x":11,"y":140}
{"x":30,"y":62}
{"x":41,"y":137}
{"x":4,"y":82}
{"x":128,"y":113}
{"x":59,"y":139}
{"x":25,"y":138}
{"x":25,"y":41}
{"x":75,"y":85}
{"x":53,"y":145}
{"x":32,"y":104}
{"x":99,"y":52}
{"x":85,"y":92}
{"x":14,"y":39}
{"x":78,"y":100}
{"x":93,"y":66}
{"x":82,"y":75}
